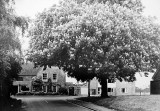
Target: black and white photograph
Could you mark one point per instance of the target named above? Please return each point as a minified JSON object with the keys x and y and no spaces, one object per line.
{"x":79,"y":55}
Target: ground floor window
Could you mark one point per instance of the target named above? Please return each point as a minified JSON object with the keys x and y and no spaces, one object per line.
{"x":99,"y":90}
{"x":93,"y":91}
{"x":123,"y":90}
{"x":44,"y":88}
{"x":110,"y":89}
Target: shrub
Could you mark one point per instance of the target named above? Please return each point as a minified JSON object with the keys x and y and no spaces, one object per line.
{"x":25,"y":93}
{"x":39,"y":93}
{"x":63,"y":91}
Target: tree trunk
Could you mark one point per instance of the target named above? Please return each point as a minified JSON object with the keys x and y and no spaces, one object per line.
{"x":89,"y":89}
{"x":104,"y":87}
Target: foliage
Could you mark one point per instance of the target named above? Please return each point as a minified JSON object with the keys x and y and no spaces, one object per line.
{"x":10,"y":68}
{"x":49,"y":84}
{"x":63,"y":91}
{"x":10,"y":64}
{"x":37,"y":93}
{"x":106,"y":41}
{"x":135,"y":5}
{"x":37,"y":83}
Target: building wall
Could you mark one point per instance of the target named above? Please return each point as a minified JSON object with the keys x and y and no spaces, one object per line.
{"x":155,"y":87}
{"x":27,"y":78}
{"x":128,"y":86}
{"x":93,"y":87}
{"x":114,"y":89}
{"x":19,"y":84}
{"x":84,"y":91}
{"x":61,"y":77}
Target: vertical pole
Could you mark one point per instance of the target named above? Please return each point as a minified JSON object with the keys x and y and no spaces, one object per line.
{"x":18,"y":88}
{"x":89,"y":89}
{"x":68,"y":90}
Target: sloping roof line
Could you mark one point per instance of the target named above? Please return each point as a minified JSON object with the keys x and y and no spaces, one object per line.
{"x":156,"y":73}
{"x":29,"y":70}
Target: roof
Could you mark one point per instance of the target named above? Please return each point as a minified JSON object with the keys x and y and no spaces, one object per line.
{"x":29,"y":70}
{"x":156,"y":75}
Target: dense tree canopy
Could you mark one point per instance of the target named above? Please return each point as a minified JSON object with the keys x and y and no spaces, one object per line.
{"x":102,"y":40}
{"x":10,"y":64}
{"x":135,"y":5}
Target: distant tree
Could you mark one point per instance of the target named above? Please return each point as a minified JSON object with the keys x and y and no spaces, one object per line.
{"x":107,"y":41}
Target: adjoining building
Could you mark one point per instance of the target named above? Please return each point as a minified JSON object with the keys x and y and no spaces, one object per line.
{"x":155,"y":83}
{"x":24,"y":82}
{"x":114,"y":88}
{"x":57,"y":77}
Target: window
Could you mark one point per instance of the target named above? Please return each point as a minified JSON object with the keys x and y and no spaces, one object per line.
{"x":54,"y":76}
{"x":99,"y":90}
{"x":93,"y":91}
{"x":123,"y":90}
{"x":44,"y":76}
{"x":110,"y":89}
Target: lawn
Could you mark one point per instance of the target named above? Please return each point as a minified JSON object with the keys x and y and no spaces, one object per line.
{"x":128,"y":103}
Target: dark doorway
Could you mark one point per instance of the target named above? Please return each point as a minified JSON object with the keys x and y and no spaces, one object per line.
{"x":71,"y":91}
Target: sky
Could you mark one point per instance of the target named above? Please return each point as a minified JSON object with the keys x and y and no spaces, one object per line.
{"x":152,"y":8}
{"x":30,"y":8}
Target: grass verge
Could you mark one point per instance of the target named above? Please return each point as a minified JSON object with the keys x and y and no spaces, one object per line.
{"x":127,"y":103}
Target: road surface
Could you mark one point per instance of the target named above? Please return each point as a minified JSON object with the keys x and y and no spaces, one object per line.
{"x":50,"y":103}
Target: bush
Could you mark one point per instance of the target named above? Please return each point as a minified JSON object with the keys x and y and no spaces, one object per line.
{"x":39,"y":93}
{"x":63,"y":91}
{"x":25,"y":93}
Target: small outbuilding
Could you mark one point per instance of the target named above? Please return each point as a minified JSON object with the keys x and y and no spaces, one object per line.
{"x":155,"y":83}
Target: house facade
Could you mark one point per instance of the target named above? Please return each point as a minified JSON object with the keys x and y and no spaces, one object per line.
{"x":24,"y":82}
{"x":57,"y":79}
{"x":114,"y":88}
{"x":54,"y":74}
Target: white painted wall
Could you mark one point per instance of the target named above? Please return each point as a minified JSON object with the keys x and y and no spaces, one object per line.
{"x":84,"y":90}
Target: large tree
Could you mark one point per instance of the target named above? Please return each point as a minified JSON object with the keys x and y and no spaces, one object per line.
{"x":102,"y":40}
{"x":9,"y":43}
